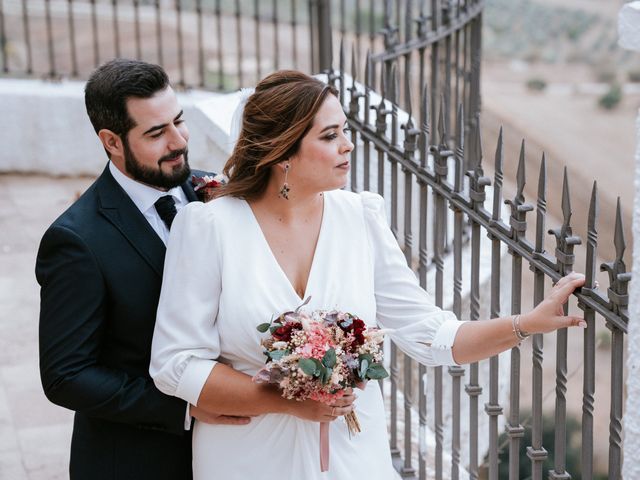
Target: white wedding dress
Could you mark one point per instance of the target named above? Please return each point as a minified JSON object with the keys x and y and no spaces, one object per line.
{"x":221,"y":280}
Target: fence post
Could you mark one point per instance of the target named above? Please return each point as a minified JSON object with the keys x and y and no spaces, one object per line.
{"x":321,"y":35}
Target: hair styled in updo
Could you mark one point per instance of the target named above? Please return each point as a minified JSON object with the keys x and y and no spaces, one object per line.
{"x":276,"y":117}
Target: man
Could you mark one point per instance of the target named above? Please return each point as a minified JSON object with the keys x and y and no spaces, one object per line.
{"x":100,"y":270}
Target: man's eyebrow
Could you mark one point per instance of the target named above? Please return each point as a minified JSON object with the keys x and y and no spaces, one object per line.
{"x":330,"y":127}
{"x":160,"y":127}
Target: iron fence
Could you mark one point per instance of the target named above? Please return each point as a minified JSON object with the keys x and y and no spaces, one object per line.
{"x":444,"y":210}
{"x":433,"y":163}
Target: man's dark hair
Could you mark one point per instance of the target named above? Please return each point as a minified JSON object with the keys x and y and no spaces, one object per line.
{"x":112,"y":83}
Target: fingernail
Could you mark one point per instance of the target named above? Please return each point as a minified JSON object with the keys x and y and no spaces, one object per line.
{"x":582,"y":324}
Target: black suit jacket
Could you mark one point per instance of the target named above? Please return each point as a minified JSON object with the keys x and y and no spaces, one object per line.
{"x":100,"y":269}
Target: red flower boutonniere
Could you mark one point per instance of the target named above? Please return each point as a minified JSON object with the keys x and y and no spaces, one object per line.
{"x":204,"y":186}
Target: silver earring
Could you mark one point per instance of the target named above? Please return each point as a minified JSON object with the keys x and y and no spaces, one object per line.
{"x":284,"y":191}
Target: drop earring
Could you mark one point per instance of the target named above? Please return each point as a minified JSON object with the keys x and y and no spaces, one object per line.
{"x":284,"y":191}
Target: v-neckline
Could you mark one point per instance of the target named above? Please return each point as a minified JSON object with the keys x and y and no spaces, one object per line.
{"x":312,"y":269}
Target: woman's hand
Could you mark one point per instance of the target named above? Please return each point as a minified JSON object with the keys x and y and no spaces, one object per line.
{"x":549,"y":314}
{"x":321,"y":412}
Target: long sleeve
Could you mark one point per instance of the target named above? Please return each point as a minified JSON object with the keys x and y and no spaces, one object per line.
{"x":419,"y":328}
{"x":73,"y":319}
{"x":185,"y":342}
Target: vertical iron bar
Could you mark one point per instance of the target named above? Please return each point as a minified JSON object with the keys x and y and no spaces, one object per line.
{"x":615,"y":414}
{"x":94,"y":34}
{"x":182,"y":80}
{"x":239,"y":42}
{"x":456,"y":371}
{"x":536,"y":451}
{"x":410,"y":146}
{"x":589,"y":368}
{"x":276,"y":43}
{"x":256,"y":22}
{"x":201,"y":65}
{"x":50,"y":46}
{"x":477,"y":184}
{"x":493,"y":408}
{"x":564,"y":254}
{"x":27,"y":37}
{"x":423,"y":259}
{"x":358,"y":31}
{"x":3,"y":40}
{"x":372,"y":25}
{"x":159,"y":31}
{"x":354,"y":109}
{"x":294,"y":38}
{"x":218,"y":14}
{"x":519,"y":209}
{"x":441,"y":156}
{"x":136,"y":25}
{"x":116,"y":27}
{"x":72,"y":40}
{"x":368,"y":74}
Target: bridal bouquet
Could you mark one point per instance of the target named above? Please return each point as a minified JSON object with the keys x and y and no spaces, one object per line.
{"x":318,"y":355}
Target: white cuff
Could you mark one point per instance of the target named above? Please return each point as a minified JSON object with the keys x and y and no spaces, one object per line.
{"x":193,"y":379}
{"x":442,"y":344}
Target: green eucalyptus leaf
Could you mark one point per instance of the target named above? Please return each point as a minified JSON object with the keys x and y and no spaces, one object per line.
{"x":263,"y":327}
{"x":308,"y":366}
{"x":377,"y":372}
{"x":366,"y":356}
{"x":364,"y":366}
{"x":329,"y":359}
{"x":274,"y":327}
{"x":278,"y":354}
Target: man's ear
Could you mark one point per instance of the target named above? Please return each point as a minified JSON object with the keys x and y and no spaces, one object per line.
{"x":111,"y":142}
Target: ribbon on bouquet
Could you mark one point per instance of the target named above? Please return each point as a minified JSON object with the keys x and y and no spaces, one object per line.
{"x":352,"y":424}
{"x":324,"y":446}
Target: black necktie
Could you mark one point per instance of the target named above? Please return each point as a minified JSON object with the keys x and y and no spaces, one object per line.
{"x":166,"y":208}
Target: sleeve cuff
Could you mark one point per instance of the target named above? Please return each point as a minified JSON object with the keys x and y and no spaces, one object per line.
{"x":442,"y":344}
{"x":193,"y":379}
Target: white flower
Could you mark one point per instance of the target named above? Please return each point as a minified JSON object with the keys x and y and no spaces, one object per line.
{"x":280,"y":345}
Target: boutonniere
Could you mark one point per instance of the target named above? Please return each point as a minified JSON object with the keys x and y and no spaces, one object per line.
{"x":204,"y":186}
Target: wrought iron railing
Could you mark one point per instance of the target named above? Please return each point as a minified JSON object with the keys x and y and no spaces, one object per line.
{"x":433,"y":163}
{"x":398,"y":48}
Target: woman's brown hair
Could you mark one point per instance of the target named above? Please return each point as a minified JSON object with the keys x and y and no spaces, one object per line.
{"x":275,"y":119}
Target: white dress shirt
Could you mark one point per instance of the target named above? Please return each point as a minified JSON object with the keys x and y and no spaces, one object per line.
{"x":144,"y":197}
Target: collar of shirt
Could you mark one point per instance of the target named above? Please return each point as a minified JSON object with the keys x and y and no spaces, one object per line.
{"x":144,"y":196}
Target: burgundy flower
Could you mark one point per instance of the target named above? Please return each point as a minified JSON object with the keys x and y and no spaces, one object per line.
{"x":283,"y":333}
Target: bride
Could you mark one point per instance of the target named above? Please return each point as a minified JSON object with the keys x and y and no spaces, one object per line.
{"x":281,"y":230}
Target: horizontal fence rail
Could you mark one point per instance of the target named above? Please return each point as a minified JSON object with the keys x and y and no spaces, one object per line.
{"x":437,"y":196}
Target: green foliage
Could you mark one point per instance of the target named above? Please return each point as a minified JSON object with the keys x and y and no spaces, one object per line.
{"x":634,"y":76}
{"x":263,"y":327}
{"x":308,"y":366}
{"x":612,"y":98}
{"x":537,"y":84}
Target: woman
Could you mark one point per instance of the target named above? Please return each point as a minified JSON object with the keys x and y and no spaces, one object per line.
{"x":279,"y":232}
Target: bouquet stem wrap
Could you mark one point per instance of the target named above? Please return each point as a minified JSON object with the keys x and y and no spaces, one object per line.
{"x":324,"y":446}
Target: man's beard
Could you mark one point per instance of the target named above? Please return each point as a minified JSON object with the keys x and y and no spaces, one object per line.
{"x":156,"y":177}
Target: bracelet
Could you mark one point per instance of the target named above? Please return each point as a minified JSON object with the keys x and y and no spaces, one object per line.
{"x":520,"y":334}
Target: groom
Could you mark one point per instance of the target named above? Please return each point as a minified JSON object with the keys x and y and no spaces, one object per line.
{"x":100,"y":269}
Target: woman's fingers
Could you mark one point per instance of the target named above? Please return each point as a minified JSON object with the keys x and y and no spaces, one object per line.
{"x":565,"y":286}
{"x":572,"y":321}
{"x":343,"y":401}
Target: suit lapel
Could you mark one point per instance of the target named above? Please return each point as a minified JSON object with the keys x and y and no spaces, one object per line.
{"x":187,"y":188}
{"x":116,"y":206}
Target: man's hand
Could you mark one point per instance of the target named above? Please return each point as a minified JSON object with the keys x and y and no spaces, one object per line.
{"x":213,"y":418}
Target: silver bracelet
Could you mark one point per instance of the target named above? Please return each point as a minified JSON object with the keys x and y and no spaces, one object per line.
{"x":520,"y":334}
